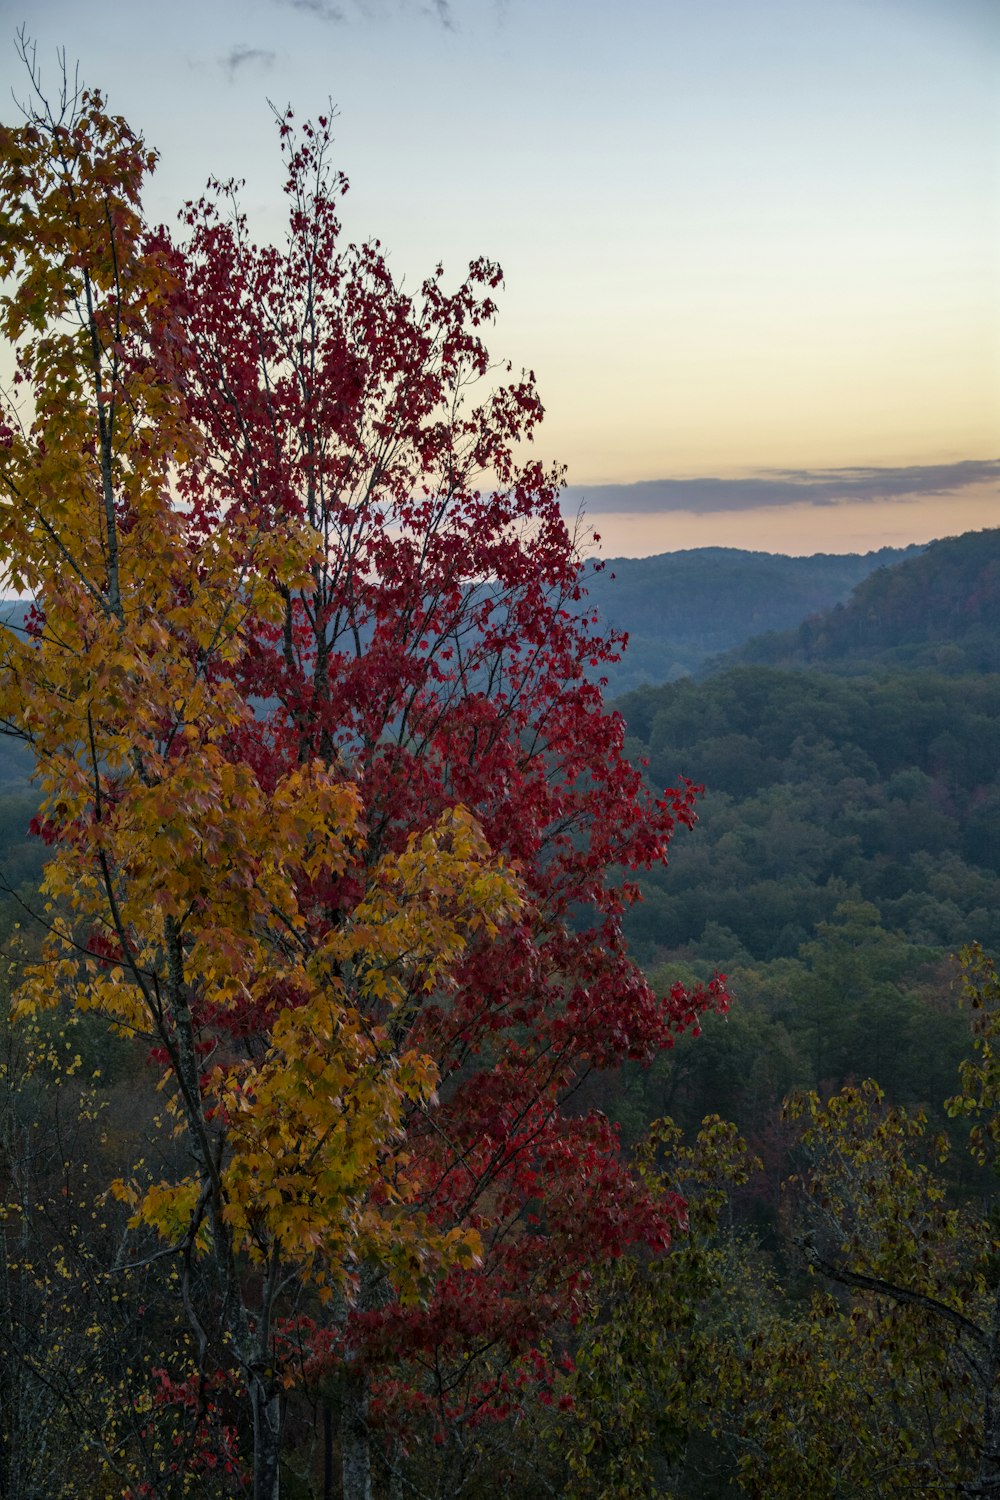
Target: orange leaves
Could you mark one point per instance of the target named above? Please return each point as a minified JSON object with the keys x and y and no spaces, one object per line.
{"x":424,"y":904}
{"x":280,"y":1015}
{"x":315,"y":816}
{"x":316,"y":1129}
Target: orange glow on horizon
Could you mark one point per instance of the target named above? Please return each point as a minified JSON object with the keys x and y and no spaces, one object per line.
{"x":800,"y":529}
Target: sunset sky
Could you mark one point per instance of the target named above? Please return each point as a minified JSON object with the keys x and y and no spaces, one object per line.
{"x":752,"y":247}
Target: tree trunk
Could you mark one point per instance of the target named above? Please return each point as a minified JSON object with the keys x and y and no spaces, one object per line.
{"x":355,"y":1447}
{"x":266,"y":1403}
{"x":327,"y":1451}
{"x":355,"y":1439}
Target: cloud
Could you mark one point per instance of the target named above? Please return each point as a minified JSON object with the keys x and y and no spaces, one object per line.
{"x":239,"y":56}
{"x":324,"y":10}
{"x":442,"y":10}
{"x":321,"y":9}
{"x":779,"y":487}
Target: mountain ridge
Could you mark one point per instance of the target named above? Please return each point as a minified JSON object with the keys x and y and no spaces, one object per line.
{"x":680,"y":609}
{"x":938,"y":610}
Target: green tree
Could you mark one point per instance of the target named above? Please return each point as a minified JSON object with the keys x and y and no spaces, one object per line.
{"x":662,"y":1338}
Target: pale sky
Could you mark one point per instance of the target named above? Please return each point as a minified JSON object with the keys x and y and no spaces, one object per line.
{"x":741,"y":238}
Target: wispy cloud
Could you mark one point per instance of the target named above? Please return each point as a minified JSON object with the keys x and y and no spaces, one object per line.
{"x":321,"y":9}
{"x":238,"y":57}
{"x":324,"y":10}
{"x":780,"y":487}
{"x":441,"y":10}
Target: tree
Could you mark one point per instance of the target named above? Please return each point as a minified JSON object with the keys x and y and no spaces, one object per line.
{"x":335,"y":814}
{"x":182,"y":890}
{"x":439,"y":650}
{"x":888,"y":1377}
{"x":663,"y":1341}
{"x":707,"y":1373}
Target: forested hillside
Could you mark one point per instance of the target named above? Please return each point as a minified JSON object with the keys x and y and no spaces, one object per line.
{"x":940,"y":609}
{"x":848,"y":845}
{"x":848,"y":839}
{"x":817,"y":787}
{"x":681,"y":608}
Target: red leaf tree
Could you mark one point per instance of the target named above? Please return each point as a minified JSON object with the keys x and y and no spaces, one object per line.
{"x":440,"y":654}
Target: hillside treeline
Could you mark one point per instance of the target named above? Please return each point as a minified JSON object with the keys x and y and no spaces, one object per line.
{"x":938,"y":610}
{"x":681,"y":608}
{"x":820,"y":790}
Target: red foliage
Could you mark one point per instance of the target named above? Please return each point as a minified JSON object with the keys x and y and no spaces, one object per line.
{"x":439,"y":654}
{"x":187,"y":1430}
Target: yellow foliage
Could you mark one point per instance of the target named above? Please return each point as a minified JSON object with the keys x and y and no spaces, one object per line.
{"x":176,"y":889}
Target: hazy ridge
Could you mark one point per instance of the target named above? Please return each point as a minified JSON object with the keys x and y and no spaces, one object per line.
{"x":680,"y":609}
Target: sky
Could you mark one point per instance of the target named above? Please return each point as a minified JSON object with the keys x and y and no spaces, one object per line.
{"x":751,"y":247}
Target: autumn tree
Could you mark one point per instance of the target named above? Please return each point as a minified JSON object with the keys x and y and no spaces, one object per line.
{"x":304,"y":680}
{"x":437,"y":649}
{"x":183,"y":888}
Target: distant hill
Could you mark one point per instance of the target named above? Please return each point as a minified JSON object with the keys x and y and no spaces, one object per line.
{"x":682,"y":608}
{"x":821,"y":789}
{"x":938,"y":610}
